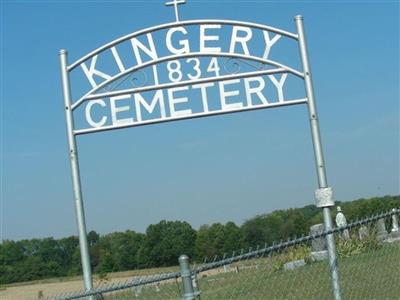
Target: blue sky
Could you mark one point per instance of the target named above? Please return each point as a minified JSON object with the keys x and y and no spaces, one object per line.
{"x":207,"y":170}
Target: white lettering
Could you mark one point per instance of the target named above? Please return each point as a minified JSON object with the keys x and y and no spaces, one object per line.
{"x":279,"y":85}
{"x":139,"y":100}
{"x":224,"y":94}
{"x":115,"y":110}
{"x":155,"y":74}
{"x":173,"y":101}
{"x":254,"y":90}
{"x":242,"y":40}
{"x":184,"y":43}
{"x":196,"y":68}
{"x":269,"y":43}
{"x":204,"y":38}
{"x":174,"y":67}
{"x":92,"y":71}
{"x":151,"y":51}
{"x":203,"y":88}
{"x":88,"y":111}
{"x":117,"y":59}
{"x":213,"y":66}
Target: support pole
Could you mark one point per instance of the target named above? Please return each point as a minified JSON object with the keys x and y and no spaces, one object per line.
{"x":324,"y":193}
{"x":73,"y":154}
{"x":188,"y":291}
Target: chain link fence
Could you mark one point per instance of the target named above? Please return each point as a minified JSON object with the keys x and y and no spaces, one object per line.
{"x":368,"y":258}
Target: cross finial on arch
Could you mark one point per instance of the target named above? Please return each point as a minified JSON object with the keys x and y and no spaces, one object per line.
{"x":175,"y":3}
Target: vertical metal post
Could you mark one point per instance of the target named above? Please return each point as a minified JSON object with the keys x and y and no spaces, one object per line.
{"x":73,"y":154}
{"x":188,"y":291}
{"x":319,"y":159}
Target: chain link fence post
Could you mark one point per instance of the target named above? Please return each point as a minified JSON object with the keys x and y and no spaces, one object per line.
{"x":186,"y":274}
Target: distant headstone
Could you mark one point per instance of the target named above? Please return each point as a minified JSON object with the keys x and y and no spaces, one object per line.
{"x":319,"y":255}
{"x":395,"y":223}
{"x":138,"y":291}
{"x":194,"y":281}
{"x":342,"y":222}
{"x":382,"y":234}
{"x":294,"y":264}
{"x":394,"y":235}
{"x":363,"y":232}
{"x":318,"y":245}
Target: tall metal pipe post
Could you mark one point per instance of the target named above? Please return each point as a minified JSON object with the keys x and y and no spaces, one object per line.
{"x":324,"y":193}
{"x":76,"y":182}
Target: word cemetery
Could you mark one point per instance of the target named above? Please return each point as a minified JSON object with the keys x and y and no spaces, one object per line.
{"x":178,"y":105}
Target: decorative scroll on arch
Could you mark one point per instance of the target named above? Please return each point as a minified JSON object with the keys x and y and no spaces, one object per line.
{"x":279,"y":68}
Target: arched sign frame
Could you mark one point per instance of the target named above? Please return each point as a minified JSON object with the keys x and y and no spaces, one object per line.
{"x":323,"y":194}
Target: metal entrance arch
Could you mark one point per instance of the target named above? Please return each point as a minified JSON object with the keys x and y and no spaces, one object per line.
{"x":323,"y":193}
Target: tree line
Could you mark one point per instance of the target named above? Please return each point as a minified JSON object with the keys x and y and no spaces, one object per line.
{"x":162,"y":243}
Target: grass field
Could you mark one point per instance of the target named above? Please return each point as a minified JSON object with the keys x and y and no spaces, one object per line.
{"x":370,"y":275}
{"x":373,"y":274}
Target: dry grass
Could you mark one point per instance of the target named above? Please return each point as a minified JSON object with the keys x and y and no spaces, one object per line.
{"x":53,"y":286}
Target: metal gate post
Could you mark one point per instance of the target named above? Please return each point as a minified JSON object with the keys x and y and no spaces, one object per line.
{"x":188,"y":291}
{"x":73,"y":154}
{"x":324,"y":193}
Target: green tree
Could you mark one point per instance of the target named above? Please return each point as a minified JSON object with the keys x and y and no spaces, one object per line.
{"x":163,"y":242}
{"x":275,"y":226}
{"x":218,"y":240}
{"x":119,"y":250}
{"x":166,"y":241}
{"x":93,"y":238}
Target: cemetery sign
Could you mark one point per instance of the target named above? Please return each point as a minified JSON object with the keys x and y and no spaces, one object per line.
{"x":189,"y":69}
